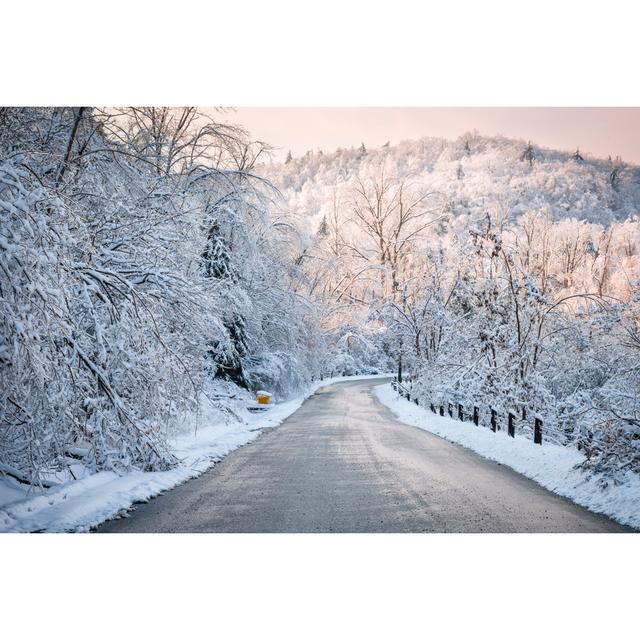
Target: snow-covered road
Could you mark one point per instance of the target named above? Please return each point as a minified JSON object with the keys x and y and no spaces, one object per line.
{"x":342,"y":462}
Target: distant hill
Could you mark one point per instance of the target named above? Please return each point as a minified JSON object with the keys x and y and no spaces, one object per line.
{"x":472,"y":173}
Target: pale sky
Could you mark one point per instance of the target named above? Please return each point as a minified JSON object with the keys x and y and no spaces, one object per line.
{"x":599,"y":131}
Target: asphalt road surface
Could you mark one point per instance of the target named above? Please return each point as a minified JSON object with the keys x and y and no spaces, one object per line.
{"x":343,"y":463}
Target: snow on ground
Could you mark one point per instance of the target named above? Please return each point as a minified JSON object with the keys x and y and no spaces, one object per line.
{"x":552,"y":466}
{"x":81,"y":504}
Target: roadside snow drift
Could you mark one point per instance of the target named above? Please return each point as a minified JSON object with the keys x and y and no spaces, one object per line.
{"x":552,"y":466}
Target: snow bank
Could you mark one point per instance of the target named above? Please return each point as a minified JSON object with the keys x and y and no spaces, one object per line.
{"x":552,"y":466}
{"x":81,"y":504}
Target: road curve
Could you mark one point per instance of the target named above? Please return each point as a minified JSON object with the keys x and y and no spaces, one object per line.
{"x":343,"y":463}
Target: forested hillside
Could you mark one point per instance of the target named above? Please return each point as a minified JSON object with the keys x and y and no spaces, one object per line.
{"x":471,"y":173}
{"x":497,"y":273}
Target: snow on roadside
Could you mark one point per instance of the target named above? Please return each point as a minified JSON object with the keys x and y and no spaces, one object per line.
{"x":81,"y":504}
{"x":552,"y":466}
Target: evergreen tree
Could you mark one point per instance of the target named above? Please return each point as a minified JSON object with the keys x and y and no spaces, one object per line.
{"x":216,"y":260}
{"x":230,"y":364}
{"x":577,"y":156}
{"x":614,"y":176}
{"x":323,"y":229}
{"x":216,"y":263}
{"x":289,"y":157}
{"x":528,"y":154}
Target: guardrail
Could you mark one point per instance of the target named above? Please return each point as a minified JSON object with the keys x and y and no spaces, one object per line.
{"x":462,"y":414}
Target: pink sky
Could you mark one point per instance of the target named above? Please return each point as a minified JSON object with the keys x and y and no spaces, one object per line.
{"x":599,"y":131}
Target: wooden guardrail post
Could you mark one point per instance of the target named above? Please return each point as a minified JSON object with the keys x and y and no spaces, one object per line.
{"x":460,"y":413}
{"x":450,"y":410}
{"x":537,"y":433}
{"x":512,"y":427}
{"x":476,"y":416}
{"x":433,"y":409}
{"x":441,"y":410}
{"x":494,"y":420}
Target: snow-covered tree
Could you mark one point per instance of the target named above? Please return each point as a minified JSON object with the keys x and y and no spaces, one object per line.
{"x":528,"y":154}
{"x":510,"y":299}
{"x":136,"y":244}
